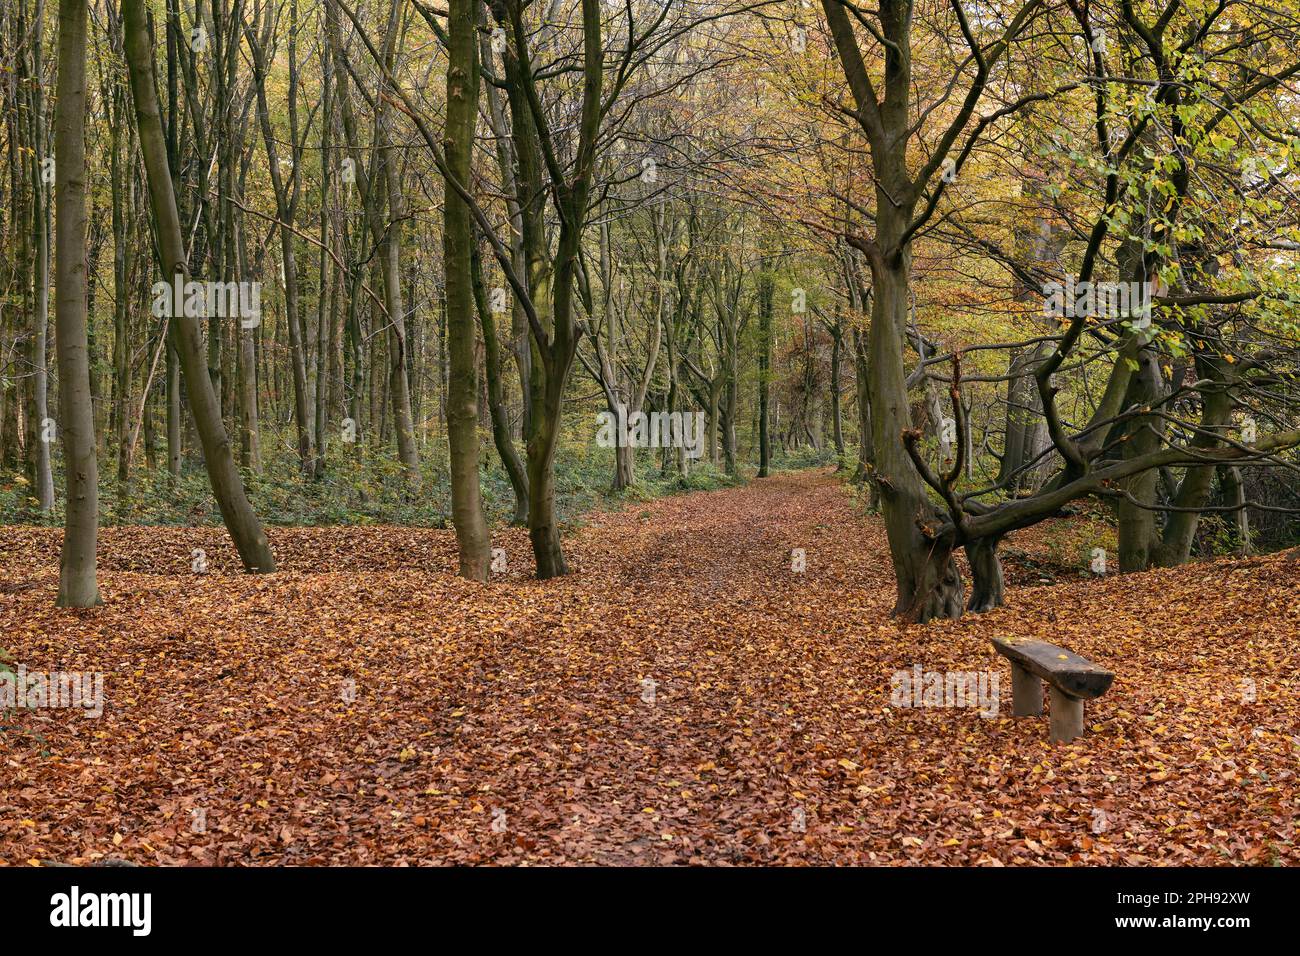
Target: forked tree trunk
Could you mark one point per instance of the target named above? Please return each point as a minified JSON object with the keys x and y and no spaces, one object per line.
{"x":77,"y":585}
{"x":929,"y":585}
{"x":227,"y":486}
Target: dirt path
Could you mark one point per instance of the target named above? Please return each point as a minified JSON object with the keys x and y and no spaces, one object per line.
{"x":684,"y":697}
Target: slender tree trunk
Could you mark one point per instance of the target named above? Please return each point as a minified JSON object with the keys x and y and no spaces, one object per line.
{"x":764,"y":371}
{"x":501,"y":436}
{"x":458,"y":242}
{"x":77,"y":584}
{"x":40,"y":435}
{"x":173,"y":412}
{"x":250,"y":446}
{"x":1234,"y":493}
{"x":327,"y":296}
{"x":289,"y":261}
{"x":837,"y":416}
{"x":227,"y":486}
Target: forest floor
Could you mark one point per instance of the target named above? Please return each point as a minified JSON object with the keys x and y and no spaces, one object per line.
{"x":684,"y":697}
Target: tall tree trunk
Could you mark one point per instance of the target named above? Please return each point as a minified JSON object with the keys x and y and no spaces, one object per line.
{"x":227,"y":486}
{"x":764,"y":371}
{"x":77,"y":584}
{"x":173,"y":412}
{"x":40,"y":435}
{"x":837,"y":416}
{"x":866,"y":452}
{"x":458,"y":242}
{"x":501,"y":436}
{"x":289,"y":261}
{"x":250,"y":444}
{"x":327,"y":298}
{"x":929,"y":584}
{"x":120,"y":412}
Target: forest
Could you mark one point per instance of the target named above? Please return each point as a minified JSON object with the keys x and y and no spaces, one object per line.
{"x":609,"y":431}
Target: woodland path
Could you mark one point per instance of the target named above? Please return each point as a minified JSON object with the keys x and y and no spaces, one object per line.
{"x":364,"y":705}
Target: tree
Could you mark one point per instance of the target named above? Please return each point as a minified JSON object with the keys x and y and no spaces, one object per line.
{"x":1119,"y":449}
{"x":227,"y":485}
{"x":459,"y":240}
{"x":77,"y":583}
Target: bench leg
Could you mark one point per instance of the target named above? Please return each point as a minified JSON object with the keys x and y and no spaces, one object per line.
{"x":1026,"y":693}
{"x":1067,"y":717}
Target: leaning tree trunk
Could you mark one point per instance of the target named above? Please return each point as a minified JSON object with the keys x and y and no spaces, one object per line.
{"x":458,"y":239}
{"x":227,"y":486}
{"x":77,"y":585}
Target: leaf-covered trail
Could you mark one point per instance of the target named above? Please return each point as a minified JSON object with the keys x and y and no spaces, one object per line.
{"x":684,"y":697}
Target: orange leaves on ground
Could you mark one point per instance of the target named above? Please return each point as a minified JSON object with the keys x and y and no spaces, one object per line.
{"x":685,"y":697}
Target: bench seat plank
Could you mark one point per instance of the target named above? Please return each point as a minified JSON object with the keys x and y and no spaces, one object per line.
{"x":1073,"y":675}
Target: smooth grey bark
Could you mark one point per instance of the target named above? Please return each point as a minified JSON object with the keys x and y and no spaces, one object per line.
{"x":77,"y":564}
{"x":40,"y":438}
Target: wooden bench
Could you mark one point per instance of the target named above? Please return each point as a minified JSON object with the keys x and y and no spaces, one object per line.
{"x":1073,"y":680}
